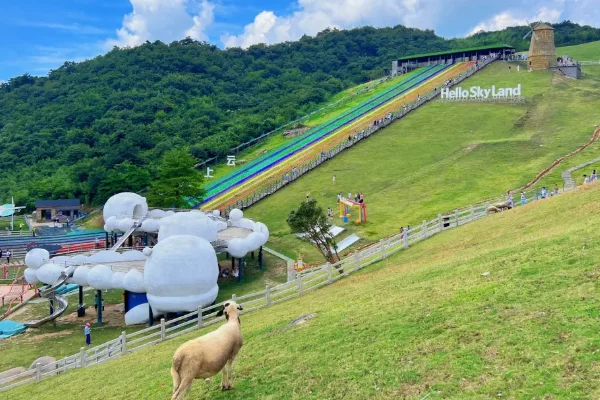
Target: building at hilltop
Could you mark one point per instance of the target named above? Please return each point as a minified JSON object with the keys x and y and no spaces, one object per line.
{"x":406,"y":64}
{"x":48,"y":210}
{"x":542,"y":52}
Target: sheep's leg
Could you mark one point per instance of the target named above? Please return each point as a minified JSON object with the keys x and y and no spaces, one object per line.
{"x":229,"y":366}
{"x":184,"y":386}
{"x":224,"y":379}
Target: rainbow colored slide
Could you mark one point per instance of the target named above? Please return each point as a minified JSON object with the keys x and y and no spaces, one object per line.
{"x":262,"y":171}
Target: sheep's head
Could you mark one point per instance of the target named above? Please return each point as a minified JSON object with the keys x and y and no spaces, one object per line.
{"x":230,"y":308}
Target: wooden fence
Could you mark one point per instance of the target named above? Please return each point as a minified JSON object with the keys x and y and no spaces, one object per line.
{"x":305,"y":282}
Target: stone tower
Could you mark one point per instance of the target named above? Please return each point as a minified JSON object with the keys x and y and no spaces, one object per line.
{"x":542,"y":53}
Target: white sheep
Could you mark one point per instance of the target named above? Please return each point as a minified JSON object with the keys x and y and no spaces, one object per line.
{"x":205,"y":356}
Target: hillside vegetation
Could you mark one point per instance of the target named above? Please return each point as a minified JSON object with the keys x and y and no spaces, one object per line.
{"x":424,"y":322}
{"x":65,"y":135}
{"x":447,"y":155}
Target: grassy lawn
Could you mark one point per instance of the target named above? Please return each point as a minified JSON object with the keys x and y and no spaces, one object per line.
{"x":425,"y":322}
{"x":582,"y":52}
{"x":18,"y":219}
{"x":445,"y":155}
{"x":66,"y":337}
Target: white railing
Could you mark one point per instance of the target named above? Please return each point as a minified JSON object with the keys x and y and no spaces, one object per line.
{"x":592,"y":62}
{"x":304,"y":282}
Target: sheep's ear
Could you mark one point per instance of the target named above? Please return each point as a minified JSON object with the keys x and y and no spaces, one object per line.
{"x":220,"y":312}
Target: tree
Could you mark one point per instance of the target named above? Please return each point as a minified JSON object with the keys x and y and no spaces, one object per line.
{"x":310,"y":219}
{"x":176,"y":180}
{"x":124,"y":177}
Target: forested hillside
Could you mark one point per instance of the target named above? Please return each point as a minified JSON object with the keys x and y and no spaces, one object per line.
{"x":93,"y":128}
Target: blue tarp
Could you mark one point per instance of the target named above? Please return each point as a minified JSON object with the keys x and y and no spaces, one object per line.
{"x":11,"y":328}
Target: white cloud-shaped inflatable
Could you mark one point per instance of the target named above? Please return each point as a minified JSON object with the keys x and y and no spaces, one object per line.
{"x":35,"y":258}
{"x":133,"y":255}
{"x":125,"y":205}
{"x":137,"y":315}
{"x":237,"y":247}
{"x":134,"y":281}
{"x":236,"y":214}
{"x":150,"y":225}
{"x":181,"y":274}
{"x":100,"y":277}
{"x":117,"y":280}
{"x":104,"y":256}
{"x":49,"y":273}
{"x":31,"y":276}
{"x":262,"y":228}
{"x":80,"y":276}
{"x":158,"y":214}
{"x":124,"y":224}
{"x":78,"y":260}
{"x":188,"y":223}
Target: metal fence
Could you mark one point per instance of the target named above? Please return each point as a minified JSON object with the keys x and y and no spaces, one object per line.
{"x":291,"y":176}
{"x":304,"y":282}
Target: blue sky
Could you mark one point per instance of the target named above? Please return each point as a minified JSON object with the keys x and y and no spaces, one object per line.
{"x":36,"y":35}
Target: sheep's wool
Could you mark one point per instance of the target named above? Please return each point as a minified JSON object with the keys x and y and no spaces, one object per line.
{"x":181,"y":274}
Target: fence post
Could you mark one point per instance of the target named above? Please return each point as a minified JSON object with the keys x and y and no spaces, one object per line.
{"x":472,"y":213}
{"x":200,"y":322}
{"x":38,"y":372}
{"x":82,"y":357}
{"x":329,"y":272}
{"x":382,"y":245}
{"x":357,"y":259}
{"x":456,"y":216}
{"x":162,"y":329}
{"x":123,"y":342}
{"x":405,"y":238}
{"x":233,"y":297}
{"x":424,"y":229}
{"x":299,"y":280}
{"x":268,"y":295}
{"x":440,"y":222}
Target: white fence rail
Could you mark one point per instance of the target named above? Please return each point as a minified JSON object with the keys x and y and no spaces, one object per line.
{"x":304,"y":282}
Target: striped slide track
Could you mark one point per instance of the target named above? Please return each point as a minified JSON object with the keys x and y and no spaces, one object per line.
{"x":262,"y":171}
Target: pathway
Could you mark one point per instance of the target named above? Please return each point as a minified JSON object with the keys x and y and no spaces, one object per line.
{"x":567,"y":175}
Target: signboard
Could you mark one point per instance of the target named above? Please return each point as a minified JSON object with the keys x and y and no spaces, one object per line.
{"x":478,"y":93}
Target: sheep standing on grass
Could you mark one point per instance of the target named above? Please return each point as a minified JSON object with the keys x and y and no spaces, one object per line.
{"x":204,"y":357}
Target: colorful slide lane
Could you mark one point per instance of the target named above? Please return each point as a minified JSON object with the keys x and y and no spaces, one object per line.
{"x":311,"y":152}
{"x":316,"y":134}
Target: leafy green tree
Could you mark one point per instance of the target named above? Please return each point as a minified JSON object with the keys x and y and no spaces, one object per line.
{"x":124,"y":177}
{"x":176,"y":179}
{"x":310,"y":219}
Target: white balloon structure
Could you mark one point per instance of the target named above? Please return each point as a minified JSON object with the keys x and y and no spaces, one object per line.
{"x":180,"y":273}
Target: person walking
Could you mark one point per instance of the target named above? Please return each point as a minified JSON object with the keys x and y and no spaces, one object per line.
{"x":88,"y":334}
{"x":8,"y":256}
{"x":586,"y":179}
{"x":555,"y":189}
{"x":523,"y":199}
{"x":333,"y":179}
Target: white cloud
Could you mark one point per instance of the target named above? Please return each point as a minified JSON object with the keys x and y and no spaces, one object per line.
{"x":313,"y":16}
{"x":165,"y":20}
{"x":512,"y":18}
{"x":72,"y":27}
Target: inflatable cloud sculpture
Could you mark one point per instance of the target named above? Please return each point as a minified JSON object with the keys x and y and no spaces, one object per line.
{"x":34,"y":259}
{"x":121,"y":209}
{"x":192,"y":223}
{"x":181,"y":274}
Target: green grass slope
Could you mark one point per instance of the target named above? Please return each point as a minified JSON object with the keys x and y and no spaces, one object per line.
{"x":424,"y":322}
{"x":582,"y":52}
{"x":446,"y":155}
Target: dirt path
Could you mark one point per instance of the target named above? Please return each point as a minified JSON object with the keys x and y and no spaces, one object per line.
{"x":556,"y":162}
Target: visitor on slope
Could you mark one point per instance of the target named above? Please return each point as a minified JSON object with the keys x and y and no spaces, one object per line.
{"x":402,"y":232}
{"x":225,"y":273}
{"x":555,"y":189}
{"x":88,"y":334}
{"x":8,"y":256}
{"x":349,"y":195}
{"x":339,"y":197}
{"x":594,"y":176}
{"x":333,"y":180}
{"x":1,"y":252}
{"x":97,"y":243}
{"x":509,"y":199}
{"x":235,"y":272}
{"x":509,"y":68}
{"x":361,"y":198}
{"x":586,"y":180}
{"x":523,"y":199}
{"x":544,"y":193}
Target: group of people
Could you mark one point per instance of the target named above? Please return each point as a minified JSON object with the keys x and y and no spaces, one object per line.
{"x":359,"y":198}
{"x":7,"y":254}
{"x":589,"y":179}
{"x":566,"y":61}
{"x":235,"y":272}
